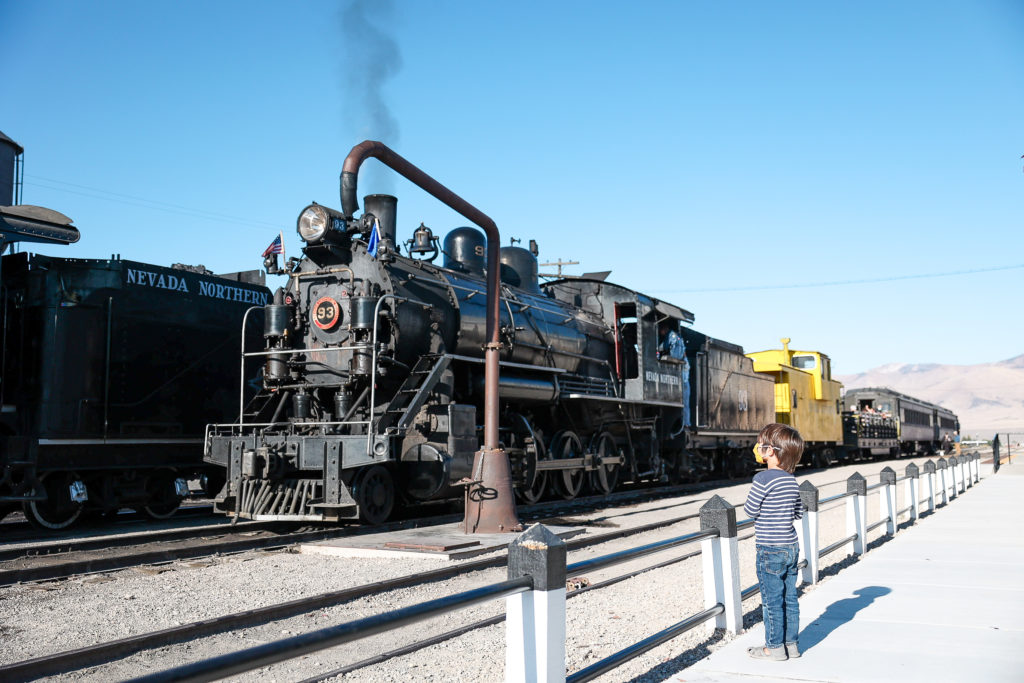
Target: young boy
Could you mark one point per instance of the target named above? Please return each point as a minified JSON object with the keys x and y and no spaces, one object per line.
{"x":774,"y":502}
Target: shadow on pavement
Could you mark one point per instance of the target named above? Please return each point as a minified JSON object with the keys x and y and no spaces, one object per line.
{"x":837,"y":614}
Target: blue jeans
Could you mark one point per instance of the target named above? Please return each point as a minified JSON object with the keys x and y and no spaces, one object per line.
{"x":776,"y":575}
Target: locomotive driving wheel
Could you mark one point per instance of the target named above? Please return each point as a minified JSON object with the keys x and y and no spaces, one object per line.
{"x":565,"y":445}
{"x":162,"y":499}
{"x":523,"y":436}
{"x":58,"y":511}
{"x":605,"y":477}
{"x":374,"y":491}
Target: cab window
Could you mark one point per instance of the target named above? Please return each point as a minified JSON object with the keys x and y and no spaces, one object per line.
{"x":804,"y":362}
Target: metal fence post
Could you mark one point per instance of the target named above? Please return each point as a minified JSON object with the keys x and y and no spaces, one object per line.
{"x":721,"y":560}
{"x":995,"y":454}
{"x":910,"y":489}
{"x":857,"y":513}
{"x":953,"y":464}
{"x":942,"y":466}
{"x":929,"y":469}
{"x":965,"y":479}
{"x":535,"y":620}
{"x":887,"y":500}
{"x":976,"y":464}
{"x":808,"y":529}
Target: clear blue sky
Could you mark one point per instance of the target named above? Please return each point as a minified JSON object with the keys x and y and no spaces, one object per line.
{"x":686,"y":146}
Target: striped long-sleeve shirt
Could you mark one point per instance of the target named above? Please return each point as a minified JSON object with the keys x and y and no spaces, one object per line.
{"x":774,"y":502}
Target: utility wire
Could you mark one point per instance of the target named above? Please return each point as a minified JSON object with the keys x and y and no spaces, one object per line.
{"x":839,"y":283}
{"x":142,"y":202}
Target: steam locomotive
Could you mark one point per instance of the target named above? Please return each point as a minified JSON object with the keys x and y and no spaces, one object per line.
{"x":374,"y":378}
{"x":373,"y":383}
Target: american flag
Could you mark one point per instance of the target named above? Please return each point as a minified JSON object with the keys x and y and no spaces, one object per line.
{"x":276,"y":247}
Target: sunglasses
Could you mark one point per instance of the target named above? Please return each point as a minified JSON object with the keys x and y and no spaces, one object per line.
{"x":762,"y":449}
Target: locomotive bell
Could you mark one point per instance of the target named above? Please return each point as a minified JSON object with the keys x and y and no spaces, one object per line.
{"x":422,"y":240}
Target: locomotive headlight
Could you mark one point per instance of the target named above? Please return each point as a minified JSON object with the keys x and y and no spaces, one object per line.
{"x":312,"y":223}
{"x":316,"y":222}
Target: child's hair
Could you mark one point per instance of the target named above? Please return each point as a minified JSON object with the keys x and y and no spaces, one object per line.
{"x":788,"y":444}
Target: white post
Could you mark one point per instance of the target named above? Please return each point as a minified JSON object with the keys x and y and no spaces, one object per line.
{"x":887,"y":499}
{"x":965,"y":480}
{"x":943,"y":468}
{"x":910,"y":490}
{"x":929,"y":469}
{"x":976,"y":463}
{"x":721,"y":561}
{"x":954,"y":467}
{"x":535,"y":620}
{"x":857,"y":513}
{"x":808,"y":532}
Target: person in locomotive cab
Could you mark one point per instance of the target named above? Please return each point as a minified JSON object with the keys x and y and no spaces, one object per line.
{"x":774,"y":503}
{"x":671,"y":345}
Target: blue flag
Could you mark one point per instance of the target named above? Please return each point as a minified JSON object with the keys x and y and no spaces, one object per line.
{"x":371,"y":246}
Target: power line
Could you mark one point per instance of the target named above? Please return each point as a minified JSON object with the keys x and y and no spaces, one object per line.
{"x":839,"y":283}
{"x":131,"y":200}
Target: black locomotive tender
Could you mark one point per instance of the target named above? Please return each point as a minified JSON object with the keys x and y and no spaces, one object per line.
{"x":373,"y":384}
{"x":110,"y":371}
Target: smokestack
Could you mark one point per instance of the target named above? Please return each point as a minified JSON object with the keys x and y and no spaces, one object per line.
{"x":385,"y":208}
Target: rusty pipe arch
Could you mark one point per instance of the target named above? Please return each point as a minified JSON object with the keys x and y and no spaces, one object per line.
{"x":350,"y":204}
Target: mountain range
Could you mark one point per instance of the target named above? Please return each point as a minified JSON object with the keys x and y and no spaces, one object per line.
{"x":988,"y":397}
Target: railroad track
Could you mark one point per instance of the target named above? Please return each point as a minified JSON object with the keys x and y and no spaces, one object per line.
{"x":56,"y":560}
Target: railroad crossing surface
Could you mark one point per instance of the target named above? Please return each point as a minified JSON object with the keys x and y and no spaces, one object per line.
{"x":942,"y":601}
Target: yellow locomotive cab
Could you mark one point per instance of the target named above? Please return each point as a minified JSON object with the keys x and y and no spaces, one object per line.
{"x":806,"y":396}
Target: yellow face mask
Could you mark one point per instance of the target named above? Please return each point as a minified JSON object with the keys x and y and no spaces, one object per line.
{"x":757,"y":454}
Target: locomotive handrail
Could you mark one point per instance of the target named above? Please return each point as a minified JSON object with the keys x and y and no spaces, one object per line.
{"x":241,"y":373}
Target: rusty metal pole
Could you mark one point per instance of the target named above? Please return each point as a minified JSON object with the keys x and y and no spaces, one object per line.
{"x":490,"y":503}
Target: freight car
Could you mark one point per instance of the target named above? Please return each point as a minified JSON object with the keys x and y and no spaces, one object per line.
{"x":111,"y":369}
{"x":920,"y":426}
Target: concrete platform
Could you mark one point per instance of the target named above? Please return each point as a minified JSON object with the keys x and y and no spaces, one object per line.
{"x":446,"y":542}
{"x":943,"y":601}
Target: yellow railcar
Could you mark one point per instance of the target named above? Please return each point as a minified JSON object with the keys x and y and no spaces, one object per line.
{"x":806,"y":397}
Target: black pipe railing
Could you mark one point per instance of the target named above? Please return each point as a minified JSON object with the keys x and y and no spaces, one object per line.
{"x":649,"y":643}
{"x":836,"y":546}
{"x":577,"y":568}
{"x":280,"y":650}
